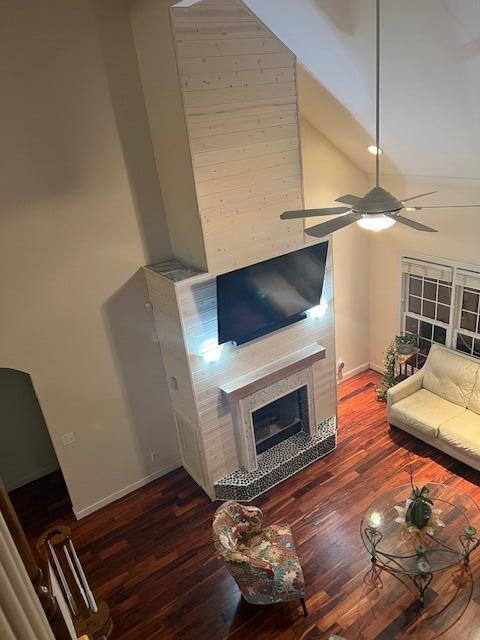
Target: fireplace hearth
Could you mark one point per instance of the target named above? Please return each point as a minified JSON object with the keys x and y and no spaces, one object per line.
{"x":278,"y":463}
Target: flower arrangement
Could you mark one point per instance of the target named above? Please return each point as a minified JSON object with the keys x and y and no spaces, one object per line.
{"x":418,"y":514}
{"x":428,"y":527}
{"x":420,"y":508}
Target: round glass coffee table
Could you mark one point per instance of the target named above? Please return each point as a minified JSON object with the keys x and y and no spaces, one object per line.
{"x":397,"y":547}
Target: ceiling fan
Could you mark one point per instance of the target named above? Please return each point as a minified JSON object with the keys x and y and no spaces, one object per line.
{"x":378,"y":209}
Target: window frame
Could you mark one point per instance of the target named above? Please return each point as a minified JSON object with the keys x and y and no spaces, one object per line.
{"x":423,"y":318}
{"x":453,"y":328}
{"x":458,"y":318}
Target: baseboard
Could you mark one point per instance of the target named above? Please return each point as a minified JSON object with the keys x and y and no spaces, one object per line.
{"x":353,"y":372}
{"x":360,"y":369}
{"x":31,"y":477}
{"x":82,"y":513}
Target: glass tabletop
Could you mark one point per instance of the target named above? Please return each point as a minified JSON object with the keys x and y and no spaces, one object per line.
{"x":450,"y":532}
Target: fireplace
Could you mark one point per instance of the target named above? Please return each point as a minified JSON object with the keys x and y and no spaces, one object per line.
{"x":280,"y":419}
{"x":274,"y":406}
{"x":277,"y":432}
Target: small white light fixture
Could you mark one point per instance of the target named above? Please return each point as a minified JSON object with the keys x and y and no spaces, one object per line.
{"x":315,"y":313}
{"x":373,"y":150}
{"x":375,"y":222}
{"x":211,"y":351}
{"x":375,"y":520}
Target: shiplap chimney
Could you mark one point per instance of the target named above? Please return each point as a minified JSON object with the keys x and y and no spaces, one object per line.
{"x":221,"y":97}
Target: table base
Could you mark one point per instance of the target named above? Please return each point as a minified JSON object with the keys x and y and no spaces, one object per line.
{"x":389,"y":607}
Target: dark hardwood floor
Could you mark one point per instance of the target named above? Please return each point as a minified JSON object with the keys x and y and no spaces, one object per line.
{"x":151,"y":557}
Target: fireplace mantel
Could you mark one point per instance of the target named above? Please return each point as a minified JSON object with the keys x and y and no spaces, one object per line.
{"x":276,"y":370}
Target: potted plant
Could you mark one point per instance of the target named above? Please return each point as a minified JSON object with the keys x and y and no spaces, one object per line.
{"x":406,"y":343}
{"x":419,"y":510}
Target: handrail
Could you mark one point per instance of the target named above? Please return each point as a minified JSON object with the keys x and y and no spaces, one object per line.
{"x":39,"y":579}
{"x":55,"y":546}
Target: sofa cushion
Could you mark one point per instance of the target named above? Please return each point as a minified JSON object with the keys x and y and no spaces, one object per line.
{"x":450,"y":375}
{"x":474,"y":402}
{"x":462,"y":432}
{"x":424,"y":411}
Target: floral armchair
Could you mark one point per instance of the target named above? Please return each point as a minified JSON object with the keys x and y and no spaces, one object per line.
{"x":262,"y":560}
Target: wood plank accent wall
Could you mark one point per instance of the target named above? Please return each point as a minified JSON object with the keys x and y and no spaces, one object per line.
{"x":198,"y":400}
{"x":239,"y":92}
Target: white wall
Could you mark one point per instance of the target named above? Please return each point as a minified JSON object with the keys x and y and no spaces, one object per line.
{"x":457,"y":239}
{"x":81,"y":213}
{"x":328,"y":173}
{"x":26,"y":451}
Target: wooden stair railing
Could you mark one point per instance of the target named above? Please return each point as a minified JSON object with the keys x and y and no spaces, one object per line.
{"x":35,"y":573}
{"x":91,"y":620}
{"x":55,"y":548}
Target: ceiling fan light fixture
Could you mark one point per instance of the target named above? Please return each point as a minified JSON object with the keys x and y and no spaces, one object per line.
{"x":373,"y":150}
{"x":375,"y":222}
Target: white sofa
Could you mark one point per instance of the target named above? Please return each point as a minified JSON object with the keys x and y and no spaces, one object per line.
{"x":440,"y":404}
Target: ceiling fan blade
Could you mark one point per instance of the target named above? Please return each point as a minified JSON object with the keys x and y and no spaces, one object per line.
{"x":348,"y":199}
{"x":420,"y":195}
{"x":326,"y":228}
{"x":311,"y":213}
{"x":411,"y":223}
{"x":445,"y":206}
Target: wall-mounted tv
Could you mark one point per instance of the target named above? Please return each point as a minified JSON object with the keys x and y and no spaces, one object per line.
{"x":266,"y":296}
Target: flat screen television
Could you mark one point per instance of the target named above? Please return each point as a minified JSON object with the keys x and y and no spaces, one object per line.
{"x":266,"y":296}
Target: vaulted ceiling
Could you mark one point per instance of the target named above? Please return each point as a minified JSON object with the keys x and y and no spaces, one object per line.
{"x":430,"y":78}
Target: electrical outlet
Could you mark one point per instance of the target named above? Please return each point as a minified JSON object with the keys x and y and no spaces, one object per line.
{"x":154,"y":456}
{"x":68,"y":439}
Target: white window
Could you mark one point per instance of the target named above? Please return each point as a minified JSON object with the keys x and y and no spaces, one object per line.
{"x":466,"y":336}
{"x":441,"y":304}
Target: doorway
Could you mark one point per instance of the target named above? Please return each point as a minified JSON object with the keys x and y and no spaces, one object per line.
{"x":29,"y":467}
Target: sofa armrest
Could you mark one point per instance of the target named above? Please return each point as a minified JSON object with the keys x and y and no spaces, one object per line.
{"x":405,"y":388}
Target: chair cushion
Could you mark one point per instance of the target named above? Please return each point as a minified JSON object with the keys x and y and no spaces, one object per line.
{"x":463,"y":433}
{"x":424,"y":411}
{"x":450,"y":375}
{"x":275,"y":545}
{"x":474,"y":403}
